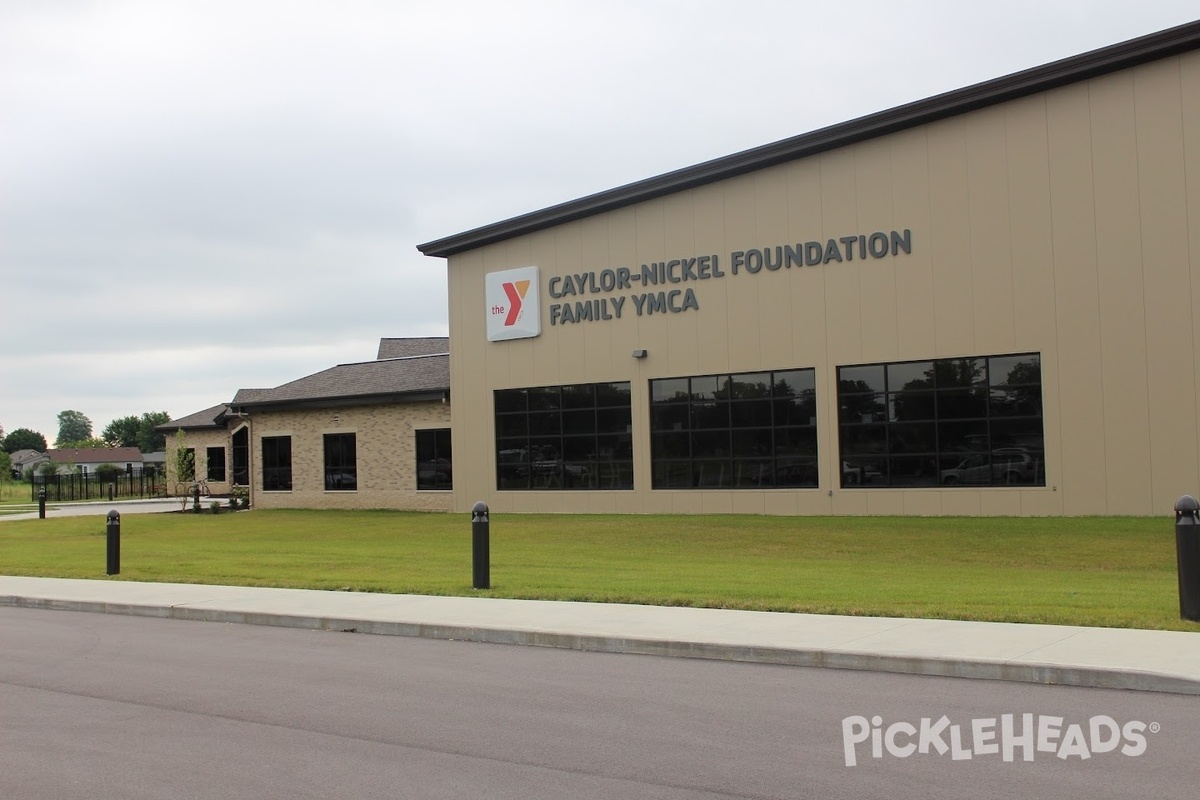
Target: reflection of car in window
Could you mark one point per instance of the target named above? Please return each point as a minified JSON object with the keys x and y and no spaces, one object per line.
{"x":792,"y":475}
{"x":1003,"y":466}
{"x":341,"y":480}
{"x":437,"y":471}
{"x":858,"y":474}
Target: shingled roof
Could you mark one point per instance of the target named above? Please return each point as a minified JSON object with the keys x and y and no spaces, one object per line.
{"x":213,"y":417}
{"x":421,"y":377}
{"x":95,"y":455}
{"x":413,"y":346}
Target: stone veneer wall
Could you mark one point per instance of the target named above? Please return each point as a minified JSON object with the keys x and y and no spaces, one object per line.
{"x":385,"y":441}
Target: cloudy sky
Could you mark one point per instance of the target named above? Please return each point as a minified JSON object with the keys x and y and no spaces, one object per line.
{"x":202,"y":197}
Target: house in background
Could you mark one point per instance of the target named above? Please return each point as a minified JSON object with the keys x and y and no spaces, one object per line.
{"x":156,"y":461}
{"x":371,"y":434}
{"x":26,"y":459}
{"x":86,"y":459}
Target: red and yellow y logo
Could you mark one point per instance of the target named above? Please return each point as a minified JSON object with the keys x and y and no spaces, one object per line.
{"x":516,"y":292}
{"x":511,"y":304}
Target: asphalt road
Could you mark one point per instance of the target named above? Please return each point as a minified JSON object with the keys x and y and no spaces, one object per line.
{"x":104,"y":706}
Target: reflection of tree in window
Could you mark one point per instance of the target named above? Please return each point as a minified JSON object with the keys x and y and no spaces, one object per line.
{"x":913,"y":405}
{"x":859,"y":403}
{"x":1020,"y":392}
{"x":957,"y":372}
{"x":564,"y":437}
{"x":743,"y":430}
{"x":940,"y":414}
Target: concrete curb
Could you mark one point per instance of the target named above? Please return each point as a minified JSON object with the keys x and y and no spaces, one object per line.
{"x":976,"y":669}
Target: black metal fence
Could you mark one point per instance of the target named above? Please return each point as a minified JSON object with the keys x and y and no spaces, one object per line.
{"x":78,"y":486}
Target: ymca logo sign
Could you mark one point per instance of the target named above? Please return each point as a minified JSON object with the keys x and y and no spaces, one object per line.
{"x":513,"y":309}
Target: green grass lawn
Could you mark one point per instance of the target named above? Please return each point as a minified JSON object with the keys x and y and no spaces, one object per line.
{"x":1080,"y":571}
{"x":14,"y":492}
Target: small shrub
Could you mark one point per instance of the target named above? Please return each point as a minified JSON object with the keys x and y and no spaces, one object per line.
{"x":107,"y":473}
{"x":215,"y":505}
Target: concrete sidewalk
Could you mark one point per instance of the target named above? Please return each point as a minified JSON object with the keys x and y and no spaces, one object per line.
{"x":1162,"y":661}
{"x":100,"y":508}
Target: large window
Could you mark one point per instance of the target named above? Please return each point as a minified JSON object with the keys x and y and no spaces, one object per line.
{"x":241,"y":457}
{"x":187,"y":467}
{"x":341,"y":462}
{"x":216,"y":463}
{"x":277,"y":463}
{"x":434,"y":468}
{"x":564,"y":437}
{"x":745,"y":431}
{"x":950,"y":422}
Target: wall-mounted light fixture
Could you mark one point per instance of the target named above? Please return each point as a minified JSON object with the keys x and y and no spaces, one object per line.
{"x":639,"y":353}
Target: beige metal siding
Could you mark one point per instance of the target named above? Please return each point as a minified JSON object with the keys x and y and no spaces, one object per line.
{"x":1066,"y":223}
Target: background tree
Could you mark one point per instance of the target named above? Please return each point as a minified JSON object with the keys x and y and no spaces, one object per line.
{"x":107,"y":473}
{"x":24,"y":439}
{"x":73,"y":426}
{"x":5,"y":467}
{"x":139,"y":432}
{"x":148,"y":439}
{"x":121,"y":432}
{"x":183,"y":459}
{"x":81,"y":444}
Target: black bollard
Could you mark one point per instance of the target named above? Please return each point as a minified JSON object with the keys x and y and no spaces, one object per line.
{"x":110,"y":492}
{"x":1187,"y":552}
{"x":41,"y":503}
{"x":480,"y":555}
{"x":114,"y":543}
{"x":196,"y":499}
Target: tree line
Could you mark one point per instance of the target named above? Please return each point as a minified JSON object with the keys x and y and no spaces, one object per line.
{"x":75,"y":431}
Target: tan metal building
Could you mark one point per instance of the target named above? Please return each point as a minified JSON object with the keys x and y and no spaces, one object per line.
{"x":986,"y":302}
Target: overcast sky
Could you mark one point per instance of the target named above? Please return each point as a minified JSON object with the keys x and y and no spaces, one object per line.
{"x":198,"y":197}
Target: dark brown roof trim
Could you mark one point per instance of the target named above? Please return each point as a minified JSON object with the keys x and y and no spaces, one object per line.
{"x":417,"y":357}
{"x":389,"y":398}
{"x":1153,"y":47}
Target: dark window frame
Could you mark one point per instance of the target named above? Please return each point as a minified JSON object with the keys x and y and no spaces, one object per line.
{"x":276,"y":463}
{"x":341,"y":462}
{"x":240,"y":452}
{"x":215,"y":467}
{"x":435,"y":465}
{"x":971,"y":421}
{"x":575,"y":437}
{"x":735,"y":430}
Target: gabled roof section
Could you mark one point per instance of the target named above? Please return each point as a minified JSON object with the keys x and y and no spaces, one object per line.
{"x":412,"y":378}
{"x":213,"y":417}
{"x":251,"y":395}
{"x":413,"y":346}
{"x":20,"y":458}
{"x":94,"y":455}
{"x":1153,"y":47}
